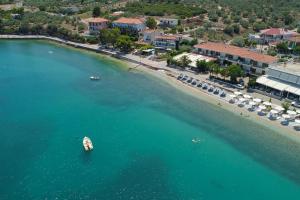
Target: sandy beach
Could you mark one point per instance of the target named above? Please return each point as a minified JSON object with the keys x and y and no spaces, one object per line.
{"x":287,"y":131}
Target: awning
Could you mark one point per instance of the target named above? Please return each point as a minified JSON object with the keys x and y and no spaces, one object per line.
{"x":293,"y":90}
{"x":278,"y":85}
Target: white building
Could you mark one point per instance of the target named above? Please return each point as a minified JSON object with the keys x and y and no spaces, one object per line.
{"x":169,"y":22}
{"x":167,"y":41}
{"x":283,"y":79}
{"x":134,"y":24}
{"x":149,"y":35}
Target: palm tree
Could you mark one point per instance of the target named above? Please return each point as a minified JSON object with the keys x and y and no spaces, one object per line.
{"x":185,"y":61}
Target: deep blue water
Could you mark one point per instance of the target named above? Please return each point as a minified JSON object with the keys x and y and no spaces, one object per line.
{"x":141,"y":129}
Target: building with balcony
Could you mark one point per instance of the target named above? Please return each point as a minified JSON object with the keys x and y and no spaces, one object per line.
{"x":133,"y":24}
{"x":167,"y":41}
{"x":96,"y":24}
{"x":252,"y":62}
{"x":149,"y":35}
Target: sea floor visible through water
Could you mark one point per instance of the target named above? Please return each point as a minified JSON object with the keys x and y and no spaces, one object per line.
{"x":142,"y":130}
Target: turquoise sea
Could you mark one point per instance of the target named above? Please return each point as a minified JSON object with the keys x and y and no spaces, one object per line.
{"x":142,"y":130}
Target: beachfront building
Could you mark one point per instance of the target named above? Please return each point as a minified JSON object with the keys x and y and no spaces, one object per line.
{"x":281,"y":80}
{"x":272,"y":35}
{"x":168,"y":22}
{"x":193,"y":57}
{"x":148,"y":35}
{"x":167,"y":41}
{"x":96,"y":24}
{"x":132,"y":24}
{"x":252,"y":62}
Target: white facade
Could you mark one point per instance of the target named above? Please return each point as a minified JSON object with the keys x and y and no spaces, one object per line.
{"x":168,"y":22}
{"x":148,"y":36}
{"x":285,"y":79}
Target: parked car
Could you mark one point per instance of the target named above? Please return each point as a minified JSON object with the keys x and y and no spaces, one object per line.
{"x":239,"y":86}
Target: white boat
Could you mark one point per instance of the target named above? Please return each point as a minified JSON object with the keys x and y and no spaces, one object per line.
{"x":95,"y":78}
{"x":87,"y":144}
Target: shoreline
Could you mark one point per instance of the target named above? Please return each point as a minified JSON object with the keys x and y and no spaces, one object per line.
{"x":169,"y":78}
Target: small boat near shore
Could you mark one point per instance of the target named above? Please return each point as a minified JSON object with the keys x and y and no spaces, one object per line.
{"x":94,"y":78}
{"x":87,"y":144}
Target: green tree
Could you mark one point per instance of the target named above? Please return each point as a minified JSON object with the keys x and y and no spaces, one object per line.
{"x":52,"y":29}
{"x":296,"y":50}
{"x":96,"y":11}
{"x":286,"y":105}
{"x":257,"y":26}
{"x":282,"y":47}
{"x":288,"y":19}
{"x":235,"y":71}
{"x":229,"y":30}
{"x":238,"y":41}
{"x":124,"y":43}
{"x":151,"y":23}
{"x":236,"y":28}
{"x":1,"y":26}
{"x":24,"y":28}
{"x":224,"y":73}
{"x":109,"y":36}
{"x":184,"y":61}
{"x":244,"y":23}
{"x":202,"y":66}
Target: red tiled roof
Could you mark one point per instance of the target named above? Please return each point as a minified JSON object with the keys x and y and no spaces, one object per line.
{"x":97,"y":20}
{"x":166,"y":37}
{"x":277,"y":31}
{"x":237,"y":51}
{"x":124,"y":20}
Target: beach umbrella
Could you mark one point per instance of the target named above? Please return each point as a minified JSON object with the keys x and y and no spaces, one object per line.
{"x":266,"y":103}
{"x":262,"y":107}
{"x":252,"y":103}
{"x":242,"y":99}
{"x":286,"y":116}
{"x":274,"y":111}
{"x":279,"y":108}
{"x":298,"y":111}
{"x":257,"y":100}
{"x":297,"y":121}
{"x":238,"y":93}
{"x":291,"y":112}
{"x":232,"y":96}
{"x":246,"y":96}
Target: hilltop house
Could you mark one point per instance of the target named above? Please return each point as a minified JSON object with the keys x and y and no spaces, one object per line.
{"x":134,"y":24}
{"x":271,"y":35}
{"x":96,"y":24}
{"x":168,"y":22}
{"x":252,"y":62}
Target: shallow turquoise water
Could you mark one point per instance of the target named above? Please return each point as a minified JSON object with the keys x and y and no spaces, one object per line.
{"x":141,"y":129}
